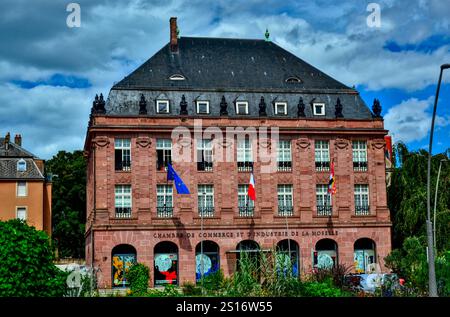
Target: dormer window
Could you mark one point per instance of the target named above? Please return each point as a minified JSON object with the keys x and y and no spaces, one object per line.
{"x":162,"y":106}
{"x":293,"y":79}
{"x":177,"y":77}
{"x":281,"y":108}
{"x":319,"y":109}
{"x":202,"y":107}
{"x":21,"y":165}
{"x":241,"y":107}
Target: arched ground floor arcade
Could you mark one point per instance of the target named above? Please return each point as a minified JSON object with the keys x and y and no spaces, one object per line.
{"x":177,"y":256}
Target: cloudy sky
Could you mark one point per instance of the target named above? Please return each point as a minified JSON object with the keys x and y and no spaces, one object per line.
{"x":49,"y":73}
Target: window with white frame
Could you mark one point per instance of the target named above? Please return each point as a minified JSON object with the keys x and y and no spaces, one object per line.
{"x":241,"y":107}
{"x":362,"y":199}
{"x":359,"y":155}
{"x":244,"y":155}
{"x":21,"y":213}
{"x":206,"y":200}
{"x":122,"y":154}
{"x":245,"y":204}
{"x":284,"y":157}
{"x":285,"y":200}
{"x":21,"y":189}
{"x":204,"y":155}
{"x":202,"y":107}
{"x":21,"y":165}
{"x":122,"y":201}
{"x":164,"y":200}
{"x":319,"y":109}
{"x":162,"y":106}
{"x":323,"y":200}
{"x":163,"y":153}
{"x":322,"y":155}
{"x":281,"y":108}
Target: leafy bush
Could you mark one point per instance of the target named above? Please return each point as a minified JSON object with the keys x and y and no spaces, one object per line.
{"x":337,"y":274}
{"x":443,"y":274}
{"x":168,"y":291}
{"x":323,"y":289}
{"x":139,"y":276}
{"x":190,"y":289}
{"x":27,"y":262}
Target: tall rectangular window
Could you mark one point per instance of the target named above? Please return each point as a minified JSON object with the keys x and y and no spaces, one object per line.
{"x":359,"y":156}
{"x":21,"y":213}
{"x":322,"y":155}
{"x":21,"y":189}
{"x":163,"y":153}
{"x":204,"y":155}
{"x":122,"y":154}
{"x":164,"y":201}
{"x":122,"y":201}
{"x":284,"y":157}
{"x":362,"y":200}
{"x":206,"y":200}
{"x":246,"y":206}
{"x":244,"y":155}
{"x":323,"y":200}
{"x":285,"y":200}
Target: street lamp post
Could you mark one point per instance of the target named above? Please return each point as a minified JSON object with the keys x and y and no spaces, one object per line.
{"x":435,"y":202}
{"x":432,"y":287}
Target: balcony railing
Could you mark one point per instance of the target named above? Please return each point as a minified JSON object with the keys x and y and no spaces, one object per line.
{"x":360,"y":166}
{"x":245,"y":166}
{"x":164,"y":211}
{"x":123,"y":212}
{"x":285,"y":166}
{"x":206,"y":212}
{"x":123,"y":165}
{"x":205,"y":166}
{"x":324,"y":210}
{"x":362,"y":210}
{"x":322,"y":166}
{"x":246,"y":211}
{"x":285,"y":211}
{"x":162,"y":165}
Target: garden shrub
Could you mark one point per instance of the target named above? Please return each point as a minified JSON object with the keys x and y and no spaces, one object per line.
{"x":27,"y":263}
{"x":190,"y":289}
{"x":139,"y":276}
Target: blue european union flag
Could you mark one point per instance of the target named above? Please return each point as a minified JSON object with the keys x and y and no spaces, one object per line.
{"x":179,"y":184}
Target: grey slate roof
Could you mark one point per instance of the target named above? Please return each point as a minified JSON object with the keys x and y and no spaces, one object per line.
{"x":237,"y":69}
{"x":219,"y":63}
{"x":8,"y":163}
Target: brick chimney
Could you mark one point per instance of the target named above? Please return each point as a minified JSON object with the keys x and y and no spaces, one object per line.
{"x":18,"y":139}
{"x":173,"y":35}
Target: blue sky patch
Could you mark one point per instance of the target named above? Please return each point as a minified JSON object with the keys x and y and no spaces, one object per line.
{"x":56,"y":80}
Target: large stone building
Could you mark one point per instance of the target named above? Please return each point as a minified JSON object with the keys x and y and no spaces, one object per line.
{"x":193,"y":86}
{"x":24,"y":191}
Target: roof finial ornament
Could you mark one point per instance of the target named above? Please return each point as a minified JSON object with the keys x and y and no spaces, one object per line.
{"x":101,"y":105}
{"x":267,"y":35}
{"x":183,"y":106}
{"x":376,"y":108}
{"x":223,"y":107}
{"x":262,"y":108}
{"x":301,"y":108}
{"x":142,"y":105}
{"x":338,"y":109}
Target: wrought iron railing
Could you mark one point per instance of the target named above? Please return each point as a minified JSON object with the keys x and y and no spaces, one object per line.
{"x":285,"y":166}
{"x":123,"y":212}
{"x":362,"y":210}
{"x":205,"y":166}
{"x":246,"y":211}
{"x":123,"y":165}
{"x":360,"y":166}
{"x":206,"y":212}
{"x":164,"y":211}
{"x":285,"y":211}
{"x":245,"y":166}
{"x":324,"y":210}
{"x":322,"y":166}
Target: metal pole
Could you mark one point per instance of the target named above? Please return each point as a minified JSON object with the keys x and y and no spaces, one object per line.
{"x":201,"y":241}
{"x":435,"y":203}
{"x":431,"y":265}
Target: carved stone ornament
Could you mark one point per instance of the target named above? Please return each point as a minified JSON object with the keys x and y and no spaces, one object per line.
{"x":361,"y":178}
{"x":143,"y":142}
{"x":100,"y":141}
{"x":265,"y":143}
{"x":225,"y":143}
{"x":341,"y":144}
{"x":378,"y":144}
{"x":303,"y":143}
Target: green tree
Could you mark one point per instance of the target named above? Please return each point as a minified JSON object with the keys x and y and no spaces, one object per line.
{"x":68,"y":202}
{"x":27,"y":262}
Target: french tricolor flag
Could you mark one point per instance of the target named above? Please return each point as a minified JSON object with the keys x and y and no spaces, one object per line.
{"x":251,"y":188}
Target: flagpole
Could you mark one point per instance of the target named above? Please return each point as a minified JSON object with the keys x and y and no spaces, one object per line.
{"x":201,"y":242}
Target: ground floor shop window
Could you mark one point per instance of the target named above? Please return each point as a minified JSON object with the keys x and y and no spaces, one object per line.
{"x":123,"y":257}
{"x":208,"y":259}
{"x":325,"y":255}
{"x":364,"y":255}
{"x":284,"y":261}
{"x":166,"y":263}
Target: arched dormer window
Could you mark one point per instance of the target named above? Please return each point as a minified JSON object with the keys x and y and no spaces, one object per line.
{"x":293,"y":80}
{"x":21,"y":165}
{"x":177,"y":77}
